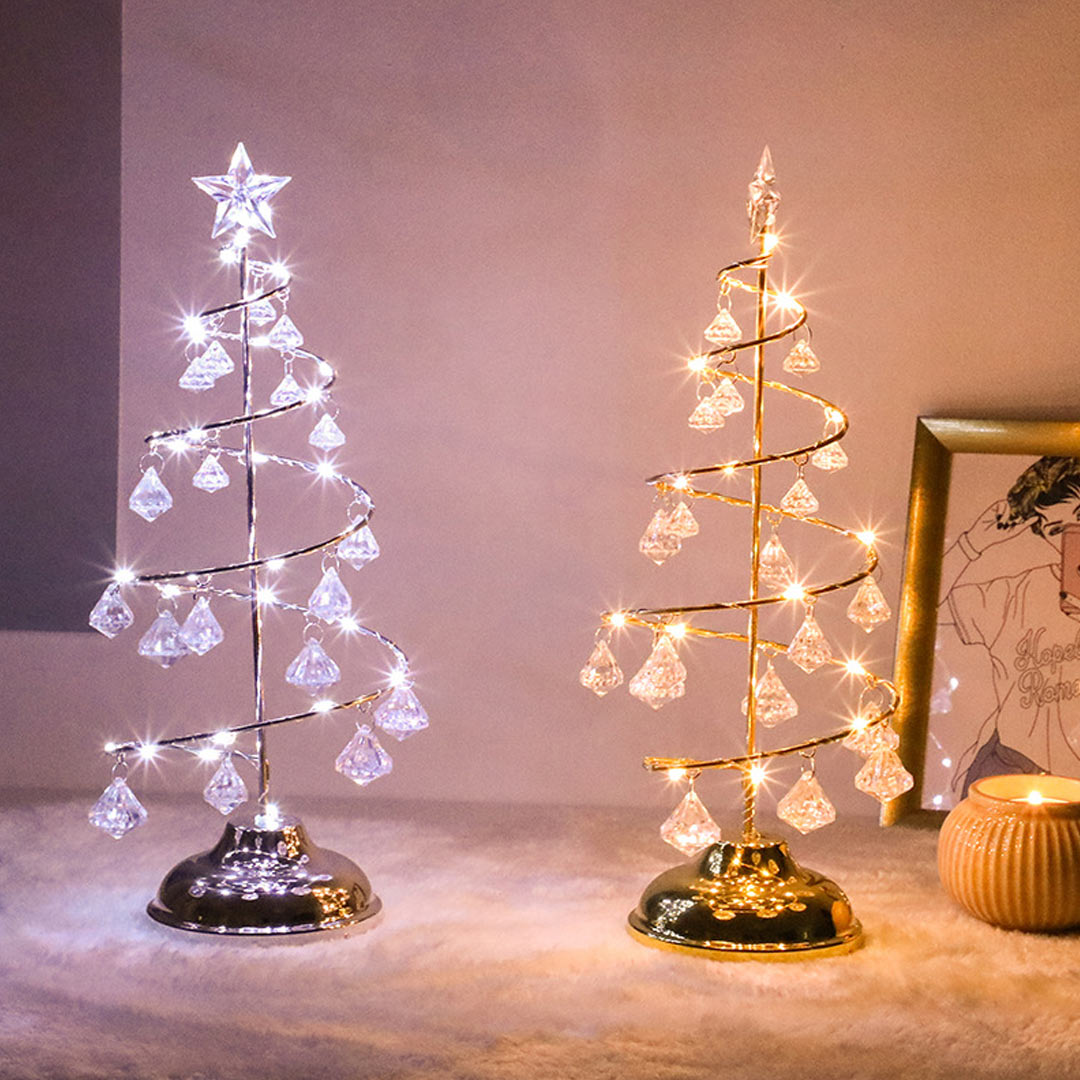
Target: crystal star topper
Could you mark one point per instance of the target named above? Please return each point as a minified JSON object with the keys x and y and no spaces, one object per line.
{"x":242,"y":195}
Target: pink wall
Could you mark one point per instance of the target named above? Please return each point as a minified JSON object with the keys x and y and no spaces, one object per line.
{"x":505,"y":219}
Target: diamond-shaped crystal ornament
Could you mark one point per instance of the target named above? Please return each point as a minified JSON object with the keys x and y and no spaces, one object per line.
{"x":707,"y":415}
{"x":312,"y":669}
{"x":111,"y":614}
{"x":210,"y":476}
{"x":359,"y":548}
{"x":150,"y":498}
{"x":682,"y":522}
{"x":201,"y":631}
{"x":801,"y":360}
{"x":216,"y":360}
{"x":884,"y":776}
{"x":284,"y":336}
{"x":773,"y":703}
{"x":601,"y":672}
{"x":196,"y":377}
{"x":808,"y":647}
{"x":226,"y":790}
{"x":763,"y":198}
{"x":868,"y":607}
{"x":806,"y":806}
{"x":261,"y":312}
{"x":776,"y":567}
{"x":662,"y":678}
{"x":401,"y":714}
{"x":799,"y":499}
{"x":164,"y":642}
{"x":660,"y":541}
{"x":723,"y":330}
{"x":326,"y":435}
{"x":870,"y":738}
{"x":727,"y":397}
{"x":117,"y":811}
{"x":287,"y":392}
{"x":330,"y":600}
{"x":829,"y":458}
{"x":363,"y":759}
{"x":690,"y":828}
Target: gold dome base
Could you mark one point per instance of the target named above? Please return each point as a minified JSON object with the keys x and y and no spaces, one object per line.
{"x":749,"y":900}
{"x":263,"y":881}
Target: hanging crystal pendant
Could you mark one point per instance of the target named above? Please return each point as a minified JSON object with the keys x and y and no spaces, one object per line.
{"x":829,"y":458}
{"x":662,"y":678}
{"x":808,"y":648}
{"x":284,"y":336}
{"x":363,"y":759}
{"x":359,"y":548}
{"x":111,"y":614}
{"x":773,"y":703}
{"x":727,"y":397}
{"x":197,"y":377}
{"x":868,"y":607}
{"x":869,"y":738}
{"x":330,"y":600}
{"x":775,"y":567}
{"x":602,"y":672}
{"x":201,"y":631}
{"x":763,"y":197}
{"x":401,"y":714}
{"x":287,"y":392}
{"x":690,"y":828}
{"x":216,"y":360}
{"x":801,"y":360}
{"x":682,"y":522}
{"x":117,"y":811}
{"x":163,"y":642}
{"x":806,"y":806}
{"x":261,"y":312}
{"x":884,"y":776}
{"x":723,"y":330}
{"x":312,"y":669}
{"x":707,"y":416}
{"x":210,"y":476}
{"x":799,"y":500}
{"x":226,"y":790}
{"x":326,"y":435}
{"x":151,"y":497}
{"x":659,"y":541}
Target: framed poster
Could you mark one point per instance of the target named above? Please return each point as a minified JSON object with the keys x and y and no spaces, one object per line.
{"x":988,"y":652}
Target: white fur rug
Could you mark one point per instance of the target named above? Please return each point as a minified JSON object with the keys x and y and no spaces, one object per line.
{"x":500,"y":955}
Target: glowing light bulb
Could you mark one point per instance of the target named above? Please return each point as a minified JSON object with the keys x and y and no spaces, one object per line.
{"x":326,"y":470}
{"x":325,"y":705}
{"x":279,"y":270}
{"x":677,"y":630}
{"x":349,"y":624}
{"x":261,"y":341}
{"x":769,"y":242}
{"x":697,"y":363}
{"x":169,"y":592}
{"x":680,"y":483}
{"x":275,"y":564}
{"x":229,"y":255}
{"x":208,"y":753}
{"x":729,"y":468}
{"x":787,"y":301}
{"x":1035,"y":798}
{"x":110,"y":747}
{"x":947,"y":762}
{"x":834,"y":416}
{"x":195,"y":435}
{"x":241,"y":238}
{"x":757,"y":775}
{"x":123,"y":576}
{"x":853,"y":667}
{"x":314,"y":394}
{"x":794,"y":592}
{"x":194,"y":329}
{"x":265,"y":596}
{"x":397,"y":677}
{"x":147,"y":752}
{"x":225,"y":738}
{"x":675,"y":774}
{"x":270,"y":818}
{"x":258,"y":458}
{"x":617,"y":618}
{"x":867,"y":536}
{"x":937,"y":800}
{"x":859,"y":722}
{"x":178,"y":444}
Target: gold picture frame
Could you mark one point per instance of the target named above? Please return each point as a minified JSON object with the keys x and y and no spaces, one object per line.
{"x":937,"y":440}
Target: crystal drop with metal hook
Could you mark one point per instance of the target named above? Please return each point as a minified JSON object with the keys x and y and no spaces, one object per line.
{"x":117,"y":811}
{"x":806,"y":806}
{"x":884,"y":776}
{"x":690,"y":828}
{"x":363,"y":759}
{"x":601,"y":672}
{"x":776,"y":567}
{"x":809,"y":649}
{"x":401,"y":714}
{"x":829,"y":458}
{"x":216,"y":360}
{"x":868,"y":607}
{"x":662,"y":678}
{"x":287,"y":392}
{"x":201,"y":630}
{"x":801,"y":360}
{"x":150,"y":498}
{"x":660,"y":541}
{"x":330,"y":600}
{"x":284,"y":336}
{"x":682,"y":522}
{"x":261,"y":312}
{"x":226,"y":789}
{"x":111,"y":614}
{"x":799,"y":499}
{"x":326,"y":435}
{"x":312,"y":669}
{"x":210,"y":476}
{"x":163,"y":642}
{"x":359,"y":548}
{"x":723,"y":330}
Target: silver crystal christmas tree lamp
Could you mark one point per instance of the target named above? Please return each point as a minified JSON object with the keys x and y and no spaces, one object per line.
{"x":748,"y":897}
{"x":264,"y":876}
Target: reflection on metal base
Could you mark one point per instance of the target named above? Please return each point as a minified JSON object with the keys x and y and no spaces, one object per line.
{"x":264,"y":881}
{"x":745,"y":901}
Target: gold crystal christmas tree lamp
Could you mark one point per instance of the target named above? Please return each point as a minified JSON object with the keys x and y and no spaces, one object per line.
{"x":749,"y":897}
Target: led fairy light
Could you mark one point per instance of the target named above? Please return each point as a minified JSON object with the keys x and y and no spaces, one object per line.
{"x":242,"y":198}
{"x":719,"y":901}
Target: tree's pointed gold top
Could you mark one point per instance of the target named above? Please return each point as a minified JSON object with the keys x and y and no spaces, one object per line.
{"x":763,"y":198}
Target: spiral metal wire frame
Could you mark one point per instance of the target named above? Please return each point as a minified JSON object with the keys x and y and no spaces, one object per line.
{"x":660,"y":619}
{"x":197,"y":580}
